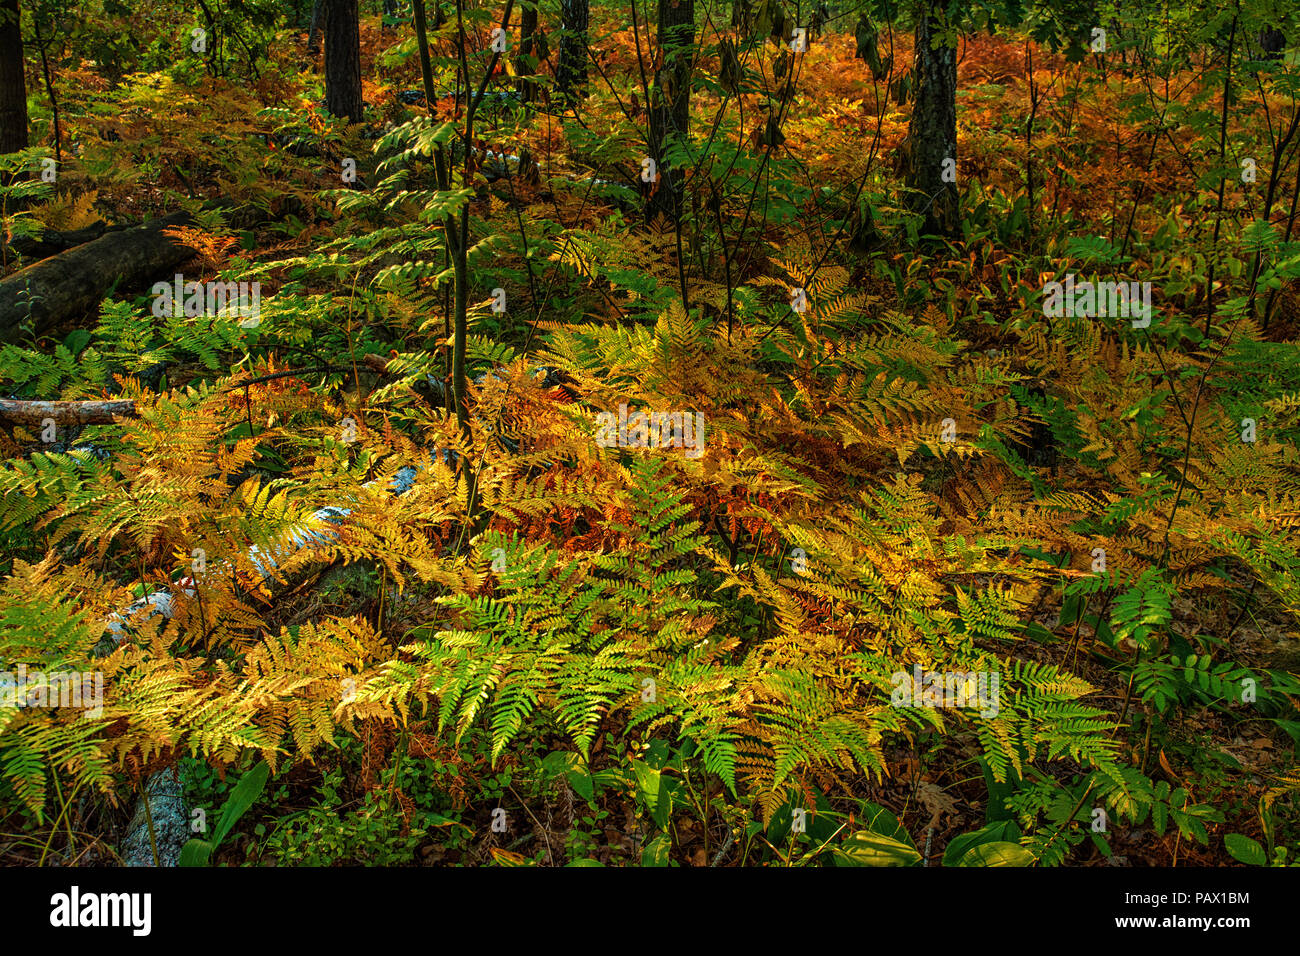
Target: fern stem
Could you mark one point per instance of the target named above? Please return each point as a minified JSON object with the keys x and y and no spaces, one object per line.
{"x":148,"y":817}
{"x":545,"y":837}
{"x":63,"y":812}
{"x":1067,"y":821}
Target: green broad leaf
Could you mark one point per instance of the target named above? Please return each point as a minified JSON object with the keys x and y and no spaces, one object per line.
{"x":1102,"y":629}
{"x":652,"y":793}
{"x":656,"y":852}
{"x":582,"y":784}
{"x":1071,"y":609}
{"x":998,"y":853}
{"x":866,"y":848}
{"x":197,"y":853}
{"x":999,"y":792}
{"x":243,"y":796}
{"x":1243,"y":849}
{"x":585,"y":863}
{"x":77,"y":340}
{"x":1000,"y":831}
{"x":1035,"y":631}
{"x":876,"y":819}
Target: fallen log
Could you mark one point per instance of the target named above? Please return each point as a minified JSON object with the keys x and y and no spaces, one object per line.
{"x":99,"y":412}
{"x":52,"y":242}
{"x":65,"y":286}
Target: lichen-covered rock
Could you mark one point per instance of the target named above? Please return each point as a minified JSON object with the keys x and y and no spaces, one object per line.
{"x":170,"y":823}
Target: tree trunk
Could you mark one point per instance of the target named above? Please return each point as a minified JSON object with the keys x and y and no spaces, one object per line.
{"x":1273,"y":43}
{"x":343,"y":60}
{"x":571,"y":73}
{"x":313,"y":34}
{"x":742,"y":15}
{"x":932,"y":133}
{"x":422,"y":44}
{"x":13,"y":81}
{"x":527,"y":48}
{"x":671,"y":111}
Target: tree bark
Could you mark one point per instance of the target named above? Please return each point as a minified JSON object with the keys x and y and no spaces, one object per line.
{"x":313,"y":34}
{"x":422,"y":44}
{"x":670,"y":113}
{"x":51,"y":242}
{"x":1272,"y":42}
{"x":97,"y":412}
{"x":13,"y":81}
{"x":932,"y":133}
{"x":571,"y":72}
{"x":343,"y":60}
{"x":740,"y":14}
{"x":527,"y":48}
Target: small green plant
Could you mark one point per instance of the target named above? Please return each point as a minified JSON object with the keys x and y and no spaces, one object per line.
{"x":885,"y":842}
{"x":321,"y":836}
{"x":200,"y":852}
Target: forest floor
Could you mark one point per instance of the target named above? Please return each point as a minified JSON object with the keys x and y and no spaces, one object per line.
{"x":825,"y":438}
